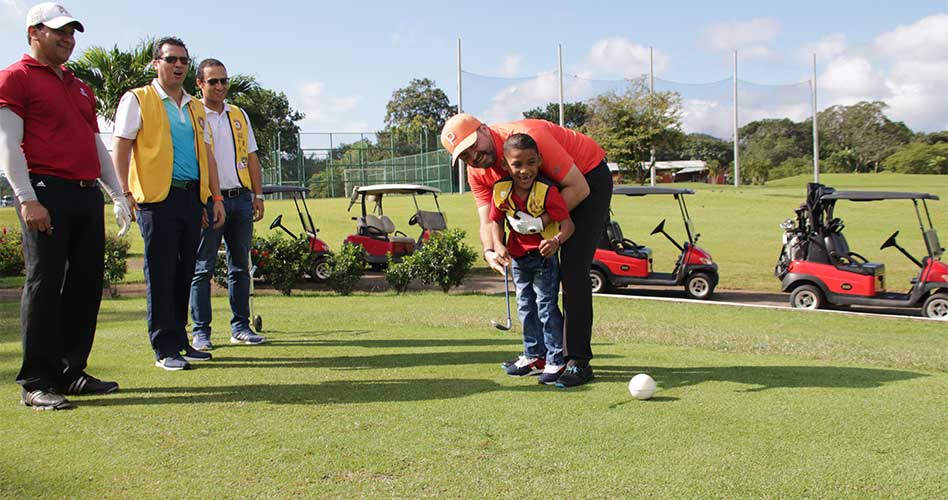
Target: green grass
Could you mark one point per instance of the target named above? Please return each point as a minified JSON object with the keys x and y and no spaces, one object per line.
{"x":739,"y":226}
{"x":388,"y":396}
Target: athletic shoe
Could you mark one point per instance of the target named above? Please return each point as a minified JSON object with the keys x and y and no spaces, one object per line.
{"x":525,"y":366}
{"x":575,"y":375}
{"x":173,"y":363}
{"x":87,"y":384}
{"x":246,"y":337}
{"x":48,"y":399}
{"x":550,"y":374}
{"x":202,"y":342}
{"x":192,"y":354}
{"x":507,"y":363}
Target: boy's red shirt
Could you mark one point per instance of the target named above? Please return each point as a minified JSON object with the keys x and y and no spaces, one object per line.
{"x":519,"y":244}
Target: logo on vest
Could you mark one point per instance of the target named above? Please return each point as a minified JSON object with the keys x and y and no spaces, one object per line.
{"x":237,"y":125}
{"x":242,"y":164}
{"x":201,"y":122}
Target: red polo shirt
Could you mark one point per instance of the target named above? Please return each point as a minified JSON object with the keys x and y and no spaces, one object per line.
{"x":59,"y":120}
{"x":559,"y":147}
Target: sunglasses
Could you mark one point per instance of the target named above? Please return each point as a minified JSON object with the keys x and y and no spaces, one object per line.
{"x":174,"y":59}
{"x":214,"y":81}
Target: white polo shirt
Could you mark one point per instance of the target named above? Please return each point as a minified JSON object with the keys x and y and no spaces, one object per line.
{"x":224,"y":146}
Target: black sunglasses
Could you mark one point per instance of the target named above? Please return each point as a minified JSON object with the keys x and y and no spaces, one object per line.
{"x":174,"y":59}
{"x":214,"y":81}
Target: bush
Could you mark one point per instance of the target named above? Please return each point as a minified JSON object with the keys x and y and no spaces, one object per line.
{"x":345,"y":268}
{"x":444,"y":259}
{"x":116,"y":265}
{"x":11,"y":253}
{"x":286,"y":261}
{"x":399,"y":276}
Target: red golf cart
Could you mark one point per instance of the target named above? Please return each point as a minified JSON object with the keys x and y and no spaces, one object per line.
{"x":817,"y":267}
{"x":320,"y":269}
{"x":377,"y":234}
{"x":620,"y":262}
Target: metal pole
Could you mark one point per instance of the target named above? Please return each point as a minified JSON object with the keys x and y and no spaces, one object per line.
{"x":332,"y":188}
{"x":737,"y":155}
{"x":559,"y":56}
{"x":279,"y":162}
{"x":651,"y":97}
{"x":651,"y":71}
{"x":816,"y":135}
{"x":460,"y":110}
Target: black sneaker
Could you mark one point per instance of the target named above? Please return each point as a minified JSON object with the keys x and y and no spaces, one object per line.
{"x":192,"y":354}
{"x":48,"y":399}
{"x":551,"y":373}
{"x":507,"y":363}
{"x":87,"y":384}
{"x":525,"y":366}
{"x":173,"y":363}
{"x":575,"y":375}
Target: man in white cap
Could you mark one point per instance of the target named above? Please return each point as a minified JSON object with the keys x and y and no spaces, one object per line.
{"x":53,"y":157}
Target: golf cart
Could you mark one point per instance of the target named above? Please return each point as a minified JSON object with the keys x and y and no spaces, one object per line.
{"x":817,"y":267}
{"x":376,"y":232}
{"x":320,"y":269}
{"x":620,"y":262}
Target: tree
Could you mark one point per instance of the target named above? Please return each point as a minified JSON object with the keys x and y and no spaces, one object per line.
{"x":271,"y":116}
{"x":630,"y":124}
{"x":717,"y":153}
{"x":864,"y":129}
{"x":575,"y":114}
{"x":919,"y":158}
{"x":418,"y":107}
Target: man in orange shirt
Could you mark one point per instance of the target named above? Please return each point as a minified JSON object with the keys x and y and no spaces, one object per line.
{"x":578,"y":165}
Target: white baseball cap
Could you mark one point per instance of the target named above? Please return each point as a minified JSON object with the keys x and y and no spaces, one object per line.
{"x":51,"y":14}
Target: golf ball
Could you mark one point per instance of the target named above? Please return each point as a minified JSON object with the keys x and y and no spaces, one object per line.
{"x":642,"y":386}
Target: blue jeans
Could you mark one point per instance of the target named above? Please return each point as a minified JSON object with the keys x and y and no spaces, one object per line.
{"x":538,"y":287}
{"x":171,"y":229}
{"x":237,"y":232}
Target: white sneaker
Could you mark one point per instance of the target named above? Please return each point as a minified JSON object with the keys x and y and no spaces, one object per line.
{"x":550,"y":374}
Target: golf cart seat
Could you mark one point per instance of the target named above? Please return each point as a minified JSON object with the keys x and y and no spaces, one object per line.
{"x":842,"y":257}
{"x":622,"y":246}
{"x":431,"y":220}
{"x":389,"y":228}
{"x":370,"y":225}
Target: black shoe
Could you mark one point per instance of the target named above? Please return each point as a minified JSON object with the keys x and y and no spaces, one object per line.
{"x":575,"y":375}
{"x":507,"y":363}
{"x":525,"y":366}
{"x":173,"y":363}
{"x":47,"y":399}
{"x":192,"y":354}
{"x":551,"y":373}
{"x":87,"y":384}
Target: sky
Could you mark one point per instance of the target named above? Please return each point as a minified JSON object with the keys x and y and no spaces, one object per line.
{"x":339,"y":62}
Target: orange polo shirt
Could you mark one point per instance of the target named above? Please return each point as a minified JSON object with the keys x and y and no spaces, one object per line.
{"x":560,"y":148}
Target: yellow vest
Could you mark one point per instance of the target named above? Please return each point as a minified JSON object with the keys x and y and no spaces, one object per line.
{"x":238,"y":129}
{"x":149,"y":176}
{"x":536,"y":201}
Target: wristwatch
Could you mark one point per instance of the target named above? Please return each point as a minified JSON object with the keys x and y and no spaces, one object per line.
{"x":258,"y":196}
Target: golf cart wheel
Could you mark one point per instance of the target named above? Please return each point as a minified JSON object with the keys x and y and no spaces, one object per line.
{"x":598,"y":281}
{"x":806,"y":297}
{"x":936,"y":306}
{"x":320,"y":271}
{"x":699,"y":285}
{"x":258,"y":323}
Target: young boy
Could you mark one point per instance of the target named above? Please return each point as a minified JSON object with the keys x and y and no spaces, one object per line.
{"x":535,"y":269}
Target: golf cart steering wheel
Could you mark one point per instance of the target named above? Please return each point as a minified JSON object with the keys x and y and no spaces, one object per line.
{"x":890,"y":242}
{"x":276,"y":222}
{"x":413,"y":220}
{"x":659,"y":228}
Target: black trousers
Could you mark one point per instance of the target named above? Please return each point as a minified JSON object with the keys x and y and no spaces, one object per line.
{"x":63,"y":286}
{"x":171,"y":229}
{"x":576,"y":256}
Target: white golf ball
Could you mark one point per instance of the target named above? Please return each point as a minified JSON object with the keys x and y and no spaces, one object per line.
{"x":642,"y":386}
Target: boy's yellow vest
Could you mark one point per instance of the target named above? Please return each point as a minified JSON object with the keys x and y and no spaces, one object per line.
{"x":238,"y":130}
{"x":536,"y":201}
{"x":149,"y":176}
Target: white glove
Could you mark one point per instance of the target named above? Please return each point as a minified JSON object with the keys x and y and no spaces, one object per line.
{"x":525,"y":223}
{"x":123,"y":216}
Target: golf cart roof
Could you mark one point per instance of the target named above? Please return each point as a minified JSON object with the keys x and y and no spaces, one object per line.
{"x":877,"y":195}
{"x":396,"y":188}
{"x":645,"y":190}
{"x":273,"y":188}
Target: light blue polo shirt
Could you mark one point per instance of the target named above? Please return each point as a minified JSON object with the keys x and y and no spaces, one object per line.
{"x":182,"y":138}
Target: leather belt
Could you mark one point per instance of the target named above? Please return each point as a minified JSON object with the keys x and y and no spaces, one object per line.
{"x":186,"y":185}
{"x":233,"y":193}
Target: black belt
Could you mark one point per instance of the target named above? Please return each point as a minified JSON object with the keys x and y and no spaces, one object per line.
{"x":233,"y":193}
{"x":59,"y":180}
{"x":186,"y":185}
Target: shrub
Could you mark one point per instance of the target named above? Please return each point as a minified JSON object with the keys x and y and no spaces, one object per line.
{"x":399,"y":276}
{"x":11,"y":253}
{"x":116,"y":262}
{"x":345,"y":268}
{"x":286,"y":261}
{"x":444,"y":259}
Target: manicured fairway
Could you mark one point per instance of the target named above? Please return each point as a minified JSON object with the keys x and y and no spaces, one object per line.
{"x":402,"y":397}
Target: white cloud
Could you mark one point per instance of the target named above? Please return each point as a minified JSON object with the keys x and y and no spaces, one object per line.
{"x":925,"y":39}
{"x":848,"y":80}
{"x":511,"y":65}
{"x":326,"y":112}
{"x":12,"y":15}
{"x":829,"y":47}
{"x":750,"y":38}
{"x":618,"y":55}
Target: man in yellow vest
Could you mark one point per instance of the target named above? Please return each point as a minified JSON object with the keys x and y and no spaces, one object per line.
{"x":239,"y":174}
{"x":163,"y":152}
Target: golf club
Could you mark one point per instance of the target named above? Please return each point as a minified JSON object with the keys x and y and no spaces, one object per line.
{"x":498,"y":325}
